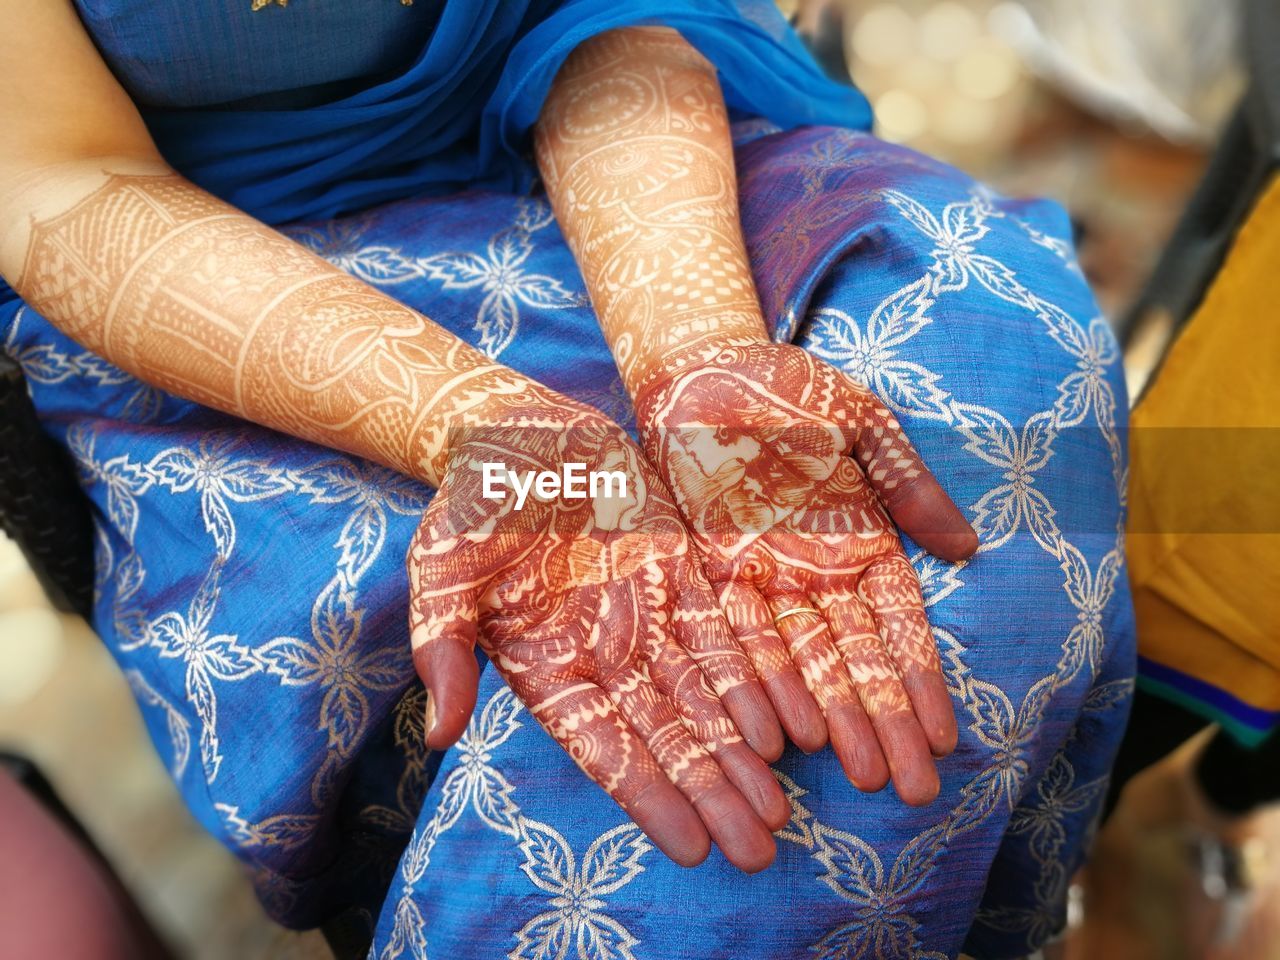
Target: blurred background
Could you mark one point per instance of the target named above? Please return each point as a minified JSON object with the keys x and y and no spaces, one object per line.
{"x":1113,"y":107}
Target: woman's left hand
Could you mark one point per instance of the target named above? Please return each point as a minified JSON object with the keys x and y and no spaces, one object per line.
{"x":783,"y":468}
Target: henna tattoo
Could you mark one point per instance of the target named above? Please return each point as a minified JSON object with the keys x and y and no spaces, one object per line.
{"x":752,"y":437}
{"x":190,"y":294}
{"x":598,"y":616}
{"x":782,"y":467}
{"x":595,"y":612}
{"x":633,"y":145}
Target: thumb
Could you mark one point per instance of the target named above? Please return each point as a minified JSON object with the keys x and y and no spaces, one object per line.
{"x":911,"y":494}
{"x":444,"y":658}
{"x":442,"y":631}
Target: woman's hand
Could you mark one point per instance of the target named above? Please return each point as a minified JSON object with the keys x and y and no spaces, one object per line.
{"x":783,"y":468}
{"x":596,"y":613}
{"x":633,"y":145}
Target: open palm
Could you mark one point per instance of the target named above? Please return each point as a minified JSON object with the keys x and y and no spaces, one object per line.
{"x":783,"y":468}
{"x":597,"y":615}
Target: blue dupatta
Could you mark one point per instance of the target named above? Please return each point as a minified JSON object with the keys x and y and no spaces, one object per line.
{"x":458,"y":117}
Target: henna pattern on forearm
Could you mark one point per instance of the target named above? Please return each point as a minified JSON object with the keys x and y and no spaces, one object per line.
{"x":634,"y":147}
{"x":194,"y":296}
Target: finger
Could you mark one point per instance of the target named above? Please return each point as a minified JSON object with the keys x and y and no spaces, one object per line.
{"x":703,"y":633}
{"x":442,"y":632}
{"x":754,"y":715}
{"x":447,"y":665}
{"x":676,"y":675}
{"x":584,"y":720}
{"x":728,"y":817}
{"x":813,"y":649}
{"x":884,"y":698}
{"x":891,"y":591}
{"x":912,"y":495}
{"x":752,"y":622}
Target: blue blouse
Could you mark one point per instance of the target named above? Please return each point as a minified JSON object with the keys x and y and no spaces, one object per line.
{"x":321,"y":107}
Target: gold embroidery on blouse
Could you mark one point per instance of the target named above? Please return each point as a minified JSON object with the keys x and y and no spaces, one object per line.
{"x":259,"y":4}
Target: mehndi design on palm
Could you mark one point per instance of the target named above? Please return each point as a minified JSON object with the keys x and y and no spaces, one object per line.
{"x":783,"y":468}
{"x":597,"y":615}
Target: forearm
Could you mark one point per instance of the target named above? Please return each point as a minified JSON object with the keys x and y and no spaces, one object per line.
{"x":634,"y":147}
{"x":197,"y":298}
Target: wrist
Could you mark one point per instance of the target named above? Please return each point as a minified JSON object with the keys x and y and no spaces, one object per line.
{"x":478,"y":399}
{"x":664,"y":339}
{"x":501,"y":409}
{"x":662,"y":378}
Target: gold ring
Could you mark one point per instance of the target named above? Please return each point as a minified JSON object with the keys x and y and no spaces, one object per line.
{"x":792,"y":612}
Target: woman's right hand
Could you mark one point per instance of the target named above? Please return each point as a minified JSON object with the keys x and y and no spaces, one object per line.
{"x":599,"y":617}
{"x":788,"y":473}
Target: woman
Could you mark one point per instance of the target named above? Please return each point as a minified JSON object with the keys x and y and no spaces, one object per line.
{"x":744,"y":583}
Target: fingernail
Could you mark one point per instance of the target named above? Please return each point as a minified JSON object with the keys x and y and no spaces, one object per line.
{"x":430,"y":723}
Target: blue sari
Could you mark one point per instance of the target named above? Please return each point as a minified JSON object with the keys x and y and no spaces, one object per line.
{"x":251,"y":585}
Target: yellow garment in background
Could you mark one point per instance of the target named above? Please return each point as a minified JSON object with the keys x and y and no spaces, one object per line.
{"x":1204,"y":523}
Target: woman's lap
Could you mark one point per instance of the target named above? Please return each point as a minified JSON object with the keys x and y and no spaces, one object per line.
{"x":293,"y":728}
